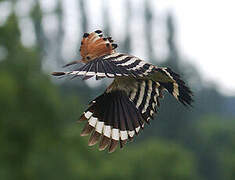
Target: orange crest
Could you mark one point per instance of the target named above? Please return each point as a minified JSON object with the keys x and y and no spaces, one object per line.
{"x":93,"y":45}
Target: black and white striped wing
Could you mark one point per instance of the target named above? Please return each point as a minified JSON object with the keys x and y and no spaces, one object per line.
{"x":111,"y":118}
{"x":117,"y":116}
{"x":172,"y":82}
{"x":146,"y":98}
{"x":114,"y":65}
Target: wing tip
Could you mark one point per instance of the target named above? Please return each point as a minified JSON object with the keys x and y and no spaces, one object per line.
{"x":113,"y":146}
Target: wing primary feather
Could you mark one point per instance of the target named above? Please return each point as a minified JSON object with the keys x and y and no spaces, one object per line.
{"x":94,"y":138}
{"x":122,"y":143}
{"x":109,"y":71}
{"x":105,"y":141}
{"x":142,"y":104}
{"x":122,"y":125}
{"x":125,"y":60}
{"x":133,"y":114}
{"x":104,"y":68}
{"x":87,"y":129}
{"x":117,"y":70}
{"x":109,"y":114}
{"x":128,"y":123}
{"x":96,"y":69}
{"x":88,"y":70}
{"x":113,"y":145}
{"x":115,"y":115}
{"x":137,"y":94}
{"x":112,"y":69}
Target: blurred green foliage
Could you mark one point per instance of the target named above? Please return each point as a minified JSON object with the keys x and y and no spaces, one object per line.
{"x":39,"y":138}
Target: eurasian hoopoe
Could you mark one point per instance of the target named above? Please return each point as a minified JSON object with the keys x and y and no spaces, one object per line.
{"x":132,"y":98}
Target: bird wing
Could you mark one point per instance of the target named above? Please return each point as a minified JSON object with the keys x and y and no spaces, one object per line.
{"x":111,"y":66}
{"x":173,"y":83}
{"x":121,"y":112}
{"x":124,"y":65}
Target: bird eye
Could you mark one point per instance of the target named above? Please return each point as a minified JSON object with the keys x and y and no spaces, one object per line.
{"x":88,"y":57}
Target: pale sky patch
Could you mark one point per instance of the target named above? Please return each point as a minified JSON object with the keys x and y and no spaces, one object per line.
{"x":205,"y":31}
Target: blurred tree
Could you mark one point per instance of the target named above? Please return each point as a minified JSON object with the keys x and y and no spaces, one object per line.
{"x":32,"y":113}
{"x":148,"y":17}
{"x":126,"y":45}
{"x":152,"y":160}
{"x":83,"y":19}
{"x":173,"y":57}
{"x":41,"y":38}
{"x":228,"y":107}
{"x":216,"y":147}
{"x":60,"y":34}
{"x":106,"y":15}
{"x":209,"y":101}
{"x":12,"y":32}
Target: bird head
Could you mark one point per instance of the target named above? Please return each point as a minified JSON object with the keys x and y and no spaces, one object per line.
{"x":94,"y":45}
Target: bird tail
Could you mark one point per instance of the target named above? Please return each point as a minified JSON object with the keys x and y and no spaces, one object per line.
{"x":111,"y":118}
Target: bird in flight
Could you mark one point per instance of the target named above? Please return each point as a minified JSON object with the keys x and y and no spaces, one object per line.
{"x":131,"y":100}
